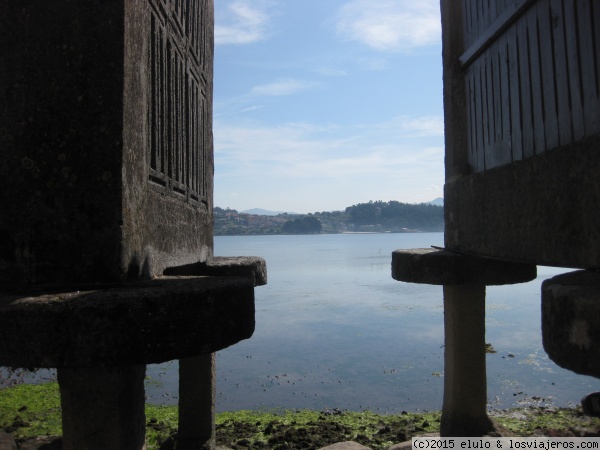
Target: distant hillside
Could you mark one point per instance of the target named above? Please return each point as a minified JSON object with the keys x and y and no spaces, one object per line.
{"x":437,"y":201}
{"x":264,"y":212}
{"x":377,"y":217}
{"x":395,"y":216}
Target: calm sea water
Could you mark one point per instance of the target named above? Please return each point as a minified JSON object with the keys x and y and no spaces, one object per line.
{"x":334,"y":330}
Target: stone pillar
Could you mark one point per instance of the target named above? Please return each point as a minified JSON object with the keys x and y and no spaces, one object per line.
{"x":464,"y":278}
{"x":465,"y":383}
{"x":103,"y":408}
{"x":197,"y":386}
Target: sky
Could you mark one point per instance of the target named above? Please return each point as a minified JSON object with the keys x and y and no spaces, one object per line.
{"x":323,"y":104}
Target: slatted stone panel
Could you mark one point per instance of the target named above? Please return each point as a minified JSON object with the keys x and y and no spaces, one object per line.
{"x":480,"y":15}
{"x":532,"y":74}
{"x":179,"y":109}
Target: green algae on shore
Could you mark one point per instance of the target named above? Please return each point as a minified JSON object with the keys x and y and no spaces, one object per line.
{"x":28,"y":411}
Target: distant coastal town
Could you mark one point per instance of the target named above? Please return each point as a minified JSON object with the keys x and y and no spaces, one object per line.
{"x":371,"y":217}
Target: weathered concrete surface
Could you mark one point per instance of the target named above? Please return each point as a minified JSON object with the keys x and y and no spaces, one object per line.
{"x":541,"y":209}
{"x":59,"y":165}
{"x":222,"y":266}
{"x":570,"y":318}
{"x":406,"y":445}
{"x":439,"y":267}
{"x":239,"y":266}
{"x":42,"y":443}
{"x":103,"y":408}
{"x":148,"y":322}
{"x":7,"y":442}
{"x":349,"y":445}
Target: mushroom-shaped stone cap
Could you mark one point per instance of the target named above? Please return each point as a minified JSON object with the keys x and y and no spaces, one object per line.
{"x":570,"y":318}
{"x":442,"y":267}
{"x":135,"y":323}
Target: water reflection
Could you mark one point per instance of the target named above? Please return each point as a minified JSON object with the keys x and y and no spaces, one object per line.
{"x":335,"y":331}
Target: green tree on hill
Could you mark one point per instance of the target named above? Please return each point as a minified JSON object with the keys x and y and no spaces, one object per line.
{"x":303,"y":225}
{"x":397,"y":216}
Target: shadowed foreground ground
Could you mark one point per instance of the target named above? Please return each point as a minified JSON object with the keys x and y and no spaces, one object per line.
{"x":28,"y":411}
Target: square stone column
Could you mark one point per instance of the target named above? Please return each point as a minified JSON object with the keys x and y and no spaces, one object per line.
{"x":197,"y":393}
{"x":103,"y":408}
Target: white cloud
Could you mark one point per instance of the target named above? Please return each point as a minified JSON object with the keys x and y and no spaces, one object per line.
{"x":304,"y":167}
{"x":282,"y":87}
{"x":391,"y":25}
{"x":298,"y":150}
{"x":419,"y":126}
{"x":247,"y":102}
{"x":242,"y":22}
{"x":251,"y":108}
{"x":331,"y":71}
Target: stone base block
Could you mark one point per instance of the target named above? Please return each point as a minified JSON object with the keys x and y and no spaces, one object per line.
{"x":7,"y":442}
{"x":540,"y":209}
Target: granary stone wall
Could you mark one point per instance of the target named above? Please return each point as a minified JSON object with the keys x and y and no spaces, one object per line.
{"x":90,"y":188}
{"x":521,"y":103}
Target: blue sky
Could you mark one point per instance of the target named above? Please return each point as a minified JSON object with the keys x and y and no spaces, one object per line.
{"x":322,"y":104}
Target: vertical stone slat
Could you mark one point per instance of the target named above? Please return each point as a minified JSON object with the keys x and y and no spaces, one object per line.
{"x":467,"y":20}
{"x":588,"y":64}
{"x":472,"y":124}
{"x":574,"y":72}
{"x":488,"y":98}
{"x":525,"y":92}
{"x":515,"y":125}
{"x":536,"y":81}
{"x":565,"y":127}
{"x":548,"y":75}
{"x":485,"y":139}
{"x":505,"y":156}
{"x":152,"y":106}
